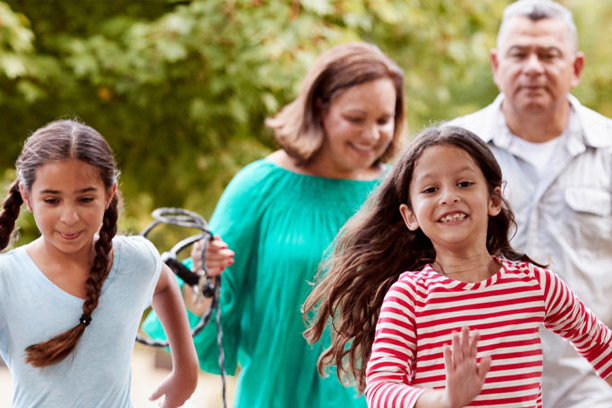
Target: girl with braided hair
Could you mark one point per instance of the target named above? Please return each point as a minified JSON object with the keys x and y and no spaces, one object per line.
{"x":71,"y":300}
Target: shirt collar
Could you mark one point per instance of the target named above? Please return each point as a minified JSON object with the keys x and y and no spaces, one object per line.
{"x":587,"y":127}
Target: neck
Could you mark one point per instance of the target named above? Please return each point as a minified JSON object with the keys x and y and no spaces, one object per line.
{"x":473,"y":268}
{"x":537,"y":126}
{"x":320,"y":167}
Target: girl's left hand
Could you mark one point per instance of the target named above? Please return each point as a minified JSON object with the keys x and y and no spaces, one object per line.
{"x":465,"y":376}
{"x":177,"y":388}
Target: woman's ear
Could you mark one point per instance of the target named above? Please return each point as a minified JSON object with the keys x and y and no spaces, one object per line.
{"x":25,"y":196}
{"x":495,"y":202}
{"x":409,"y":217}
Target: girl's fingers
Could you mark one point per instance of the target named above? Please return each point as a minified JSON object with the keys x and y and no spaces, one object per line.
{"x":457,"y":348}
{"x":483,"y":367}
{"x":448,"y":358}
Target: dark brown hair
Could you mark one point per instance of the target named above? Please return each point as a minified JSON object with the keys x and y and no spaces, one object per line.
{"x":375,"y":247}
{"x":298,"y":127}
{"x":58,"y":141}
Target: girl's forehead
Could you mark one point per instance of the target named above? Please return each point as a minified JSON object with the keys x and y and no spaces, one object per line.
{"x":66,"y":175}
{"x":444,"y":157}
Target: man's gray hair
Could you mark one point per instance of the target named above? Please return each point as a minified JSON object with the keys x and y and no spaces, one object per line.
{"x":538,"y":10}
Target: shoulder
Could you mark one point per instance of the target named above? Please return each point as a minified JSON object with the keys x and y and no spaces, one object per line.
{"x":525,"y":270}
{"x":253,"y":179}
{"x":481,"y":122}
{"x":414,"y":282}
{"x":11,"y":261}
{"x":135,"y":252}
{"x":597,"y":127}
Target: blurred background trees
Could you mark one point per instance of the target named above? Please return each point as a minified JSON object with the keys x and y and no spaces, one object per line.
{"x":180,"y":89}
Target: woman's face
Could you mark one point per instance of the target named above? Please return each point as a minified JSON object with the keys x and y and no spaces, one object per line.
{"x":358,"y":125}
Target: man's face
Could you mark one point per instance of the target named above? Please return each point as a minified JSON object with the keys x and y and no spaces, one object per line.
{"x":536,"y":64}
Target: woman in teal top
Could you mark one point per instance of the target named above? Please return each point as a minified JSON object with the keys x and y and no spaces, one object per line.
{"x":278,"y":216}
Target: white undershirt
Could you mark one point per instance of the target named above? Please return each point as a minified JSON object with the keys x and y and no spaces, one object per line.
{"x":538,"y":154}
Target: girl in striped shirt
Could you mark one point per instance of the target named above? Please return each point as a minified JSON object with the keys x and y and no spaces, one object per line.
{"x":461,"y":326}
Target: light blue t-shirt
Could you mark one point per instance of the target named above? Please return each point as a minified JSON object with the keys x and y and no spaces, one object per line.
{"x":33,"y":309}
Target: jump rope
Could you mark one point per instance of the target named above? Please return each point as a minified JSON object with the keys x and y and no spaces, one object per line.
{"x":202,"y":285}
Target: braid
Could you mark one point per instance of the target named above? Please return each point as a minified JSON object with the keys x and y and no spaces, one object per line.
{"x":56,"y":349}
{"x":9,"y":214}
{"x":101,"y":263}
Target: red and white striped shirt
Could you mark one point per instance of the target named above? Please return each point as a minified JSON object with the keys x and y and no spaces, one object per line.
{"x":422,"y":310}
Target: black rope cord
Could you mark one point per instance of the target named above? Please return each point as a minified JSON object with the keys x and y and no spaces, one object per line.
{"x":206,"y":286}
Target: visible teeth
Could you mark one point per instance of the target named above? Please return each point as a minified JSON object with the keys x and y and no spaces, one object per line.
{"x":453,"y":217}
{"x":362,"y":148}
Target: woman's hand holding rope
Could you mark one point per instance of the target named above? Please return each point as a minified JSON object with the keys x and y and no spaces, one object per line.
{"x":218,"y":257}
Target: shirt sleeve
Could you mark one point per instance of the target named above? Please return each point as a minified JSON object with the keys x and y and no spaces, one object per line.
{"x":392,"y":362}
{"x":568,"y":317}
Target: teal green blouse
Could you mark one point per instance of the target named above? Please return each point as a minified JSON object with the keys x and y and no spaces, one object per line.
{"x":279,"y":223}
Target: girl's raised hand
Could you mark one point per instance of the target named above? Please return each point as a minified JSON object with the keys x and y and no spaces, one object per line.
{"x":218,"y":256}
{"x":464,"y":375}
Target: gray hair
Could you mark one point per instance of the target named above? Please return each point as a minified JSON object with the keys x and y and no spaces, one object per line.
{"x":539,"y":10}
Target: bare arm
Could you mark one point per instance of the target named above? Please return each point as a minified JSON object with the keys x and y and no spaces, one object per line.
{"x":169,"y":307}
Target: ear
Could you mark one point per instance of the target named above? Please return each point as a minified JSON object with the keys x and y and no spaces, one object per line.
{"x":494,"y":64}
{"x":495,"y":202}
{"x":25,"y":196}
{"x":578,"y":66}
{"x":110,"y":194}
{"x":409,"y":217}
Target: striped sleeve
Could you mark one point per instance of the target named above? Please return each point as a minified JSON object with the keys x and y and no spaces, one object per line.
{"x":567,"y":316}
{"x":392,"y":361}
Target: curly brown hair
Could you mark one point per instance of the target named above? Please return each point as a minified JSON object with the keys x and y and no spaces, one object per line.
{"x":64,"y":140}
{"x":375,"y":247}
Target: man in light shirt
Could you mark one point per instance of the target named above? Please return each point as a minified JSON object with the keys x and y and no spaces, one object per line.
{"x":556,"y":156}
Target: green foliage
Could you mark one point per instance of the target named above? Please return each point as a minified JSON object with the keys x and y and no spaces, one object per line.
{"x":181,"y":88}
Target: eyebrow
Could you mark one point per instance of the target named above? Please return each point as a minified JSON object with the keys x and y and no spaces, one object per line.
{"x":84,"y":190}
{"x":523,"y":47}
{"x":428,"y":175}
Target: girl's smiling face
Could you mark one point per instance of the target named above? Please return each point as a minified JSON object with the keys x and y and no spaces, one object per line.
{"x":68,"y":200}
{"x":450,"y":200}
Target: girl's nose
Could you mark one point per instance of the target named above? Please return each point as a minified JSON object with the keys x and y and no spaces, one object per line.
{"x":449,"y":196}
{"x":69,"y":216}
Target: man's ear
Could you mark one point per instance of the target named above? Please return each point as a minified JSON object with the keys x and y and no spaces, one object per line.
{"x":409,"y":217}
{"x":578,"y":67}
{"x":25,"y":196}
{"x":493,"y":59}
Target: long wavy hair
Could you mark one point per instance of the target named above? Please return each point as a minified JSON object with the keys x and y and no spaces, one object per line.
{"x":375,"y":247}
{"x":58,"y":141}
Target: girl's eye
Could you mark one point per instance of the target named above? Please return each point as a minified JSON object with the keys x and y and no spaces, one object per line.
{"x":51,"y":201}
{"x":464,"y":184}
{"x":354,"y":119}
{"x":86,"y":200}
{"x":430,"y":190}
